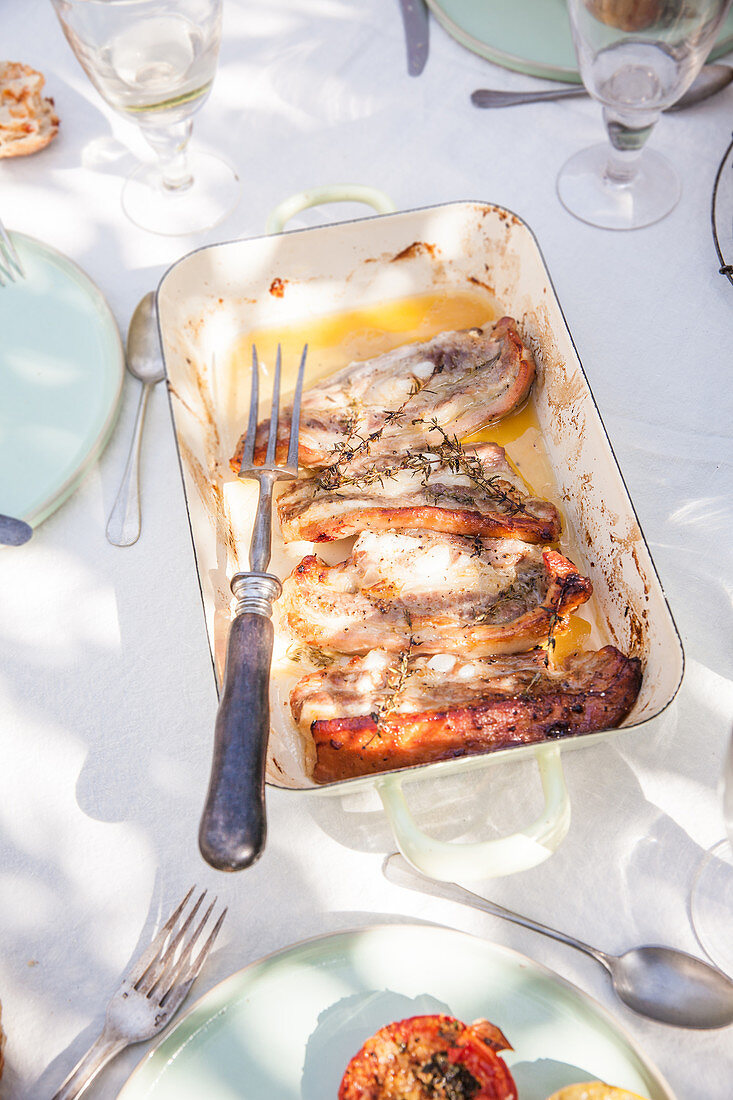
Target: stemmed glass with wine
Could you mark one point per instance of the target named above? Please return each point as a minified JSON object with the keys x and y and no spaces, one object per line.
{"x":154,"y":62}
{"x":636,"y":57}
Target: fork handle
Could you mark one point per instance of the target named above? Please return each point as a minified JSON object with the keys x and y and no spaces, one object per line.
{"x":489,"y":97}
{"x":102,"y":1051}
{"x":233,"y":825}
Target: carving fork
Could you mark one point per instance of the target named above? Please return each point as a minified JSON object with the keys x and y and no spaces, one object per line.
{"x":233,"y":825}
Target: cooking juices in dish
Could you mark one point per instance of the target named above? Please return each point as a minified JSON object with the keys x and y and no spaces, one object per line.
{"x":455,"y":560}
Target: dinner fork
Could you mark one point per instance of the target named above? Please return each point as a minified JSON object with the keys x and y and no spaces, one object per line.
{"x":10,"y":266}
{"x":151,"y":992}
{"x":233,"y":826}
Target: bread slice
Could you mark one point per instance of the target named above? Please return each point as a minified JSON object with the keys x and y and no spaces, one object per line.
{"x":28,"y":120}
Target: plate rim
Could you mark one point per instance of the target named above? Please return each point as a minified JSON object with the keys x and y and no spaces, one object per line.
{"x":351,"y":933}
{"x":53,"y":500}
{"x":544,"y":70}
{"x":538,"y":69}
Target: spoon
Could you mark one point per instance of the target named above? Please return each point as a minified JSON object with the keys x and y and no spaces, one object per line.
{"x":144,"y":361}
{"x":711,"y":79}
{"x":659,"y":982}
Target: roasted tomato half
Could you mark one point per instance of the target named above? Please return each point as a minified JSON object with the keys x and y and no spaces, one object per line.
{"x":430,"y":1058}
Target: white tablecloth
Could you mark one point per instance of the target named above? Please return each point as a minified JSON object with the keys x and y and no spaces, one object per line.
{"x":107,"y":696}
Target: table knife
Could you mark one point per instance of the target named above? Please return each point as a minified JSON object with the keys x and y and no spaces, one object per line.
{"x":415,"y":19}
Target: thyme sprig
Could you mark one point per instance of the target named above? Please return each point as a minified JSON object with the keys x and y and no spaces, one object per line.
{"x":356,"y":446}
{"x":449,"y":452}
{"x":397,"y":676}
{"x":460,"y":461}
{"x":556,"y":619}
{"x":375,"y":472}
{"x":301,"y":653}
{"x":520,"y":596}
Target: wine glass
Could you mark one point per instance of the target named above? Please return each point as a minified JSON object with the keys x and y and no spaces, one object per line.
{"x":636,"y":57}
{"x":154,"y":61}
{"x":711,"y":900}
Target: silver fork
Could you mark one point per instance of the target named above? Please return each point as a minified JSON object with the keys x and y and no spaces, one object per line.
{"x":10,"y":266}
{"x":150,"y":993}
{"x":233,"y":825}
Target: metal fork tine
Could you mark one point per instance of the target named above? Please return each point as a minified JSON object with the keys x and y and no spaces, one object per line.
{"x":274,"y":411}
{"x":178,"y":971}
{"x":152,"y":975}
{"x":132,"y":1015}
{"x":172,"y":963}
{"x":150,"y":954}
{"x":201,"y":957}
{"x":295,"y":417}
{"x":248,"y":455}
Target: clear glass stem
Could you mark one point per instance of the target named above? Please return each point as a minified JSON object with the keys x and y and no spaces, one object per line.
{"x":171,"y":146}
{"x":628,"y":136}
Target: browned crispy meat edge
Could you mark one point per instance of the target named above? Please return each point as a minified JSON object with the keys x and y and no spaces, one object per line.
{"x":567,"y":590}
{"x":457,"y":522}
{"x":349,"y":747}
{"x":513,"y":346}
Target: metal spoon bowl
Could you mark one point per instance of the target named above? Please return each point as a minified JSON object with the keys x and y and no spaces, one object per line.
{"x":711,"y":79}
{"x":145,"y":362}
{"x":662,"y":983}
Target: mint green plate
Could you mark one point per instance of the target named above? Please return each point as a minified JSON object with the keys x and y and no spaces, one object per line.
{"x":531,"y":36}
{"x":285,"y":1028}
{"x":61,"y":370}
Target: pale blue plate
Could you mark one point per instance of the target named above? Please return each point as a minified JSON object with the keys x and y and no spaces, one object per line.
{"x":531,"y":36}
{"x":286,"y":1027}
{"x":61,"y":371}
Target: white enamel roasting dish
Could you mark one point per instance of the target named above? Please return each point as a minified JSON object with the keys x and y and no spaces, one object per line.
{"x":213,"y":295}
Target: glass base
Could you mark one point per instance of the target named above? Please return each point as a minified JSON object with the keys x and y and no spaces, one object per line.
{"x":711,"y":906}
{"x":213,"y":195}
{"x":584,"y":190}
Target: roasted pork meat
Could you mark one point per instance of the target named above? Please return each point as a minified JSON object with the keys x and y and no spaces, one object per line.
{"x":443,"y":593}
{"x":465,"y":490}
{"x":390,"y":710}
{"x":460,"y":380}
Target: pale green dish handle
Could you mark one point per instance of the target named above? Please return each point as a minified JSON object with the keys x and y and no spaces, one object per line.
{"x":506,"y":855}
{"x":337,"y":192}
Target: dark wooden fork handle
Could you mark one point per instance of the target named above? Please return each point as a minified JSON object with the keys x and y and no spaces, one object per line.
{"x":233,"y":824}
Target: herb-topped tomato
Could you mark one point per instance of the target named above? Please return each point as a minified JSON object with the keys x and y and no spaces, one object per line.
{"x":430,"y":1058}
